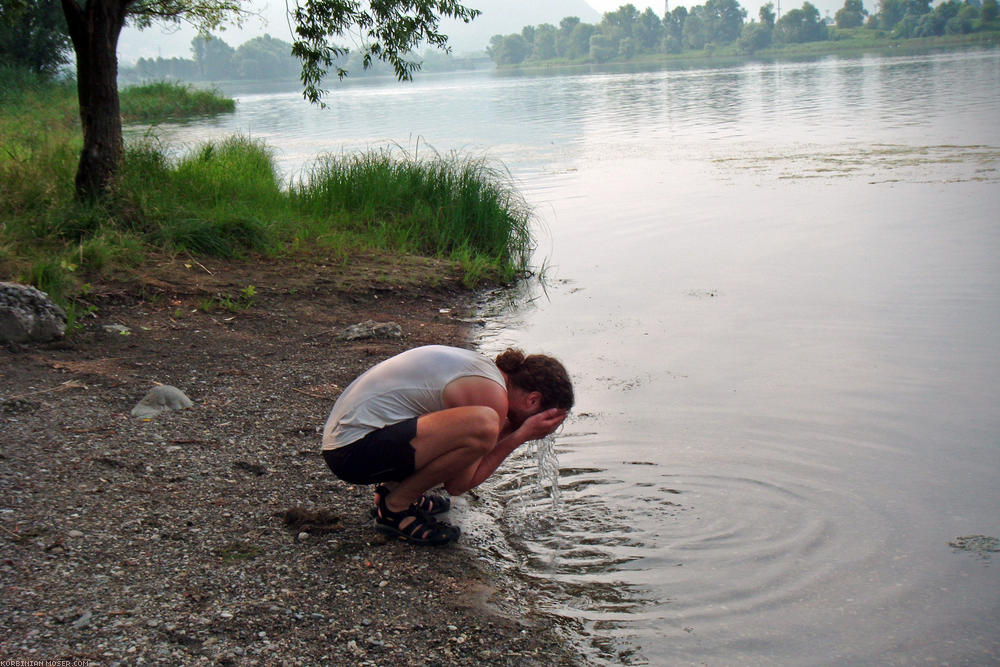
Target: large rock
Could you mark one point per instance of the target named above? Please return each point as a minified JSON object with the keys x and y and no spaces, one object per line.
{"x":372,"y":330}
{"x":29,"y":315}
{"x":161,"y":398}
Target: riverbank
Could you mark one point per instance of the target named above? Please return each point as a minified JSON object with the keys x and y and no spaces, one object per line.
{"x":215,"y":535}
{"x":226,"y":198}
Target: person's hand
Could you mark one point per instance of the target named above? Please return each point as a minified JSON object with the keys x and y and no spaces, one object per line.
{"x":539,"y":425}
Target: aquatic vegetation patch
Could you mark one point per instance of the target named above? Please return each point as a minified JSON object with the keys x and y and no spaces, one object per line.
{"x":919,"y":164}
{"x":981,"y":545}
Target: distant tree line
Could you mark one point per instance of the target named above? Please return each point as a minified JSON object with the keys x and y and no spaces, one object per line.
{"x":627,"y":32}
{"x":215,"y":60}
{"x":261,"y":58}
{"x":915,"y":18}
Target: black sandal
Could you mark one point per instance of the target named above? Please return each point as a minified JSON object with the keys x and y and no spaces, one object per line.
{"x":431,"y":503}
{"x":423,"y":529}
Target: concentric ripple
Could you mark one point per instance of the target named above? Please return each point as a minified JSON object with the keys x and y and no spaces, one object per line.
{"x":633,"y":551}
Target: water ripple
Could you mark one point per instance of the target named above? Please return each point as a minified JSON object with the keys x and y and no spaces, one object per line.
{"x":630,"y":548}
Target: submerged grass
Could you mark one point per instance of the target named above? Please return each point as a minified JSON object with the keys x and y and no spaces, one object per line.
{"x":226,"y":198}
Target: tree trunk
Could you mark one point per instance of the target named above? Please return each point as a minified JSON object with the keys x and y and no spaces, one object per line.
{"x":94,"y":29}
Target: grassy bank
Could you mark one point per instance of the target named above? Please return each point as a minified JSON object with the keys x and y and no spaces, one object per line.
{"x":152,"y":102}
{"x":227,"y":199}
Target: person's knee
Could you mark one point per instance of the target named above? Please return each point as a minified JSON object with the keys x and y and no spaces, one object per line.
{"x":483,"y":428}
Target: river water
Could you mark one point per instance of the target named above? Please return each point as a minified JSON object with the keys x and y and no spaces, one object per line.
{"x":777,"y":289}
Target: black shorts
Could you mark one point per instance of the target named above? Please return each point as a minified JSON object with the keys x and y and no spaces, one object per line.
{"x":385,"y":455}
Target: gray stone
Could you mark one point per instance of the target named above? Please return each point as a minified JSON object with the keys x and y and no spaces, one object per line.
{"x":161,"y":398}
{"x":370,"y":329}
{"x":83,"y":621}
{"x":29,"y":315}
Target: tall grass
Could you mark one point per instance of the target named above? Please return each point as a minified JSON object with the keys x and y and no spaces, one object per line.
{"x":453,"y":206}
{"x":161,"y":100}
{"x":39,"y":142}
{"x":226,"y":198}
{"x":220,"y":199}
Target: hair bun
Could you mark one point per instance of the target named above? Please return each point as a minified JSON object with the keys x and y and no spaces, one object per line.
{"x":538,"y":372}
{"x":510,"y":360}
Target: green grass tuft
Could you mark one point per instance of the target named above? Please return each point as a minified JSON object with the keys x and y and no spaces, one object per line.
{"x":453,"y":206}
{"x":153,"y":102}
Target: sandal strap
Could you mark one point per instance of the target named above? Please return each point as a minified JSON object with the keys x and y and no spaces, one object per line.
{"x":423,"y":529}
{"x":432,"y":503}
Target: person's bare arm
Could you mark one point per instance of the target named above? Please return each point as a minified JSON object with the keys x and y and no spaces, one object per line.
{"x":534,"y":428}
{"x":480,"y":391}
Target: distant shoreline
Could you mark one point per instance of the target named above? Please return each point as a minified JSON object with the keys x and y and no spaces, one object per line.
{"x":804,"y":51}
{"x":720,"y":57}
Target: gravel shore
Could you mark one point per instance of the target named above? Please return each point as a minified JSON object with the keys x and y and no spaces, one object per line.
{"x":215,"y":534}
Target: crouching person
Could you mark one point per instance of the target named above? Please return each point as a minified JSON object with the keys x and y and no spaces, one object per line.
{"x":439,"y":415}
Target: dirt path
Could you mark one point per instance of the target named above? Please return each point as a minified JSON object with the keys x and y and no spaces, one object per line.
{"x":215,"y":535}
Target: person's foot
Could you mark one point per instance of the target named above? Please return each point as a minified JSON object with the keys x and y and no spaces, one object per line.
{"x":431,"y":503}
{"x":414,"y":525}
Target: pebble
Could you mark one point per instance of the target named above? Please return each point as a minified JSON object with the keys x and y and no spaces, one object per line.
{"x":303,"y":536}
{"x":74,"y":534}
{"x":83,"y":621}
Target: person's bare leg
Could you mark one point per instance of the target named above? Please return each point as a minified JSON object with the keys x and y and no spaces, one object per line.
{"x":447,"y":442}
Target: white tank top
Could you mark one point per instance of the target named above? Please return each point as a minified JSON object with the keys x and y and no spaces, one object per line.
{"x":411,"y":384}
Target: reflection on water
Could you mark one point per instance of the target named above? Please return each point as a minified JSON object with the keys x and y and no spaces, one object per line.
{"x":777,"y":288}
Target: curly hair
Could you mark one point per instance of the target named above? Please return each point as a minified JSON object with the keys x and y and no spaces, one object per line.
{"x":538,"y":372}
